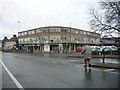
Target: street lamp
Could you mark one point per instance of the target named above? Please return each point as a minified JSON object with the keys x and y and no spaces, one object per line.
{"x":19,"y":31}
{"x":19,"y":25}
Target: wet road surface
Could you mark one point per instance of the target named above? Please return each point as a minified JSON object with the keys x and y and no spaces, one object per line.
{"x":57,"y":71}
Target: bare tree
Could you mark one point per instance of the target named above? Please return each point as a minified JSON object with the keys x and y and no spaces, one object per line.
{"x":107,"y":21}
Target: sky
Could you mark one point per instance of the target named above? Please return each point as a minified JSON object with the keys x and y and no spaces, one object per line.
{"x":41,"y":13}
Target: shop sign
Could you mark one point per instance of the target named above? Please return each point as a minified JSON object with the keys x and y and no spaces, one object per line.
{"x":60,"y":44}
{"x":41,"y":42}
{"x":27,"y":45}
{"x":66,"y":43}
{"x":35,"y":44}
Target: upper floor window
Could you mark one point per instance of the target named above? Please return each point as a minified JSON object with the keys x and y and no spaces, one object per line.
{"x":19,"y":34}
{"x":81,"y":32}
{"x":69,"y":30}
{"x":64,"y":30}
{"x":44,"y":38}
{"x":44,"y":30}
{"x":54,"y":37}
{"x":54,"y":29}
{"x":87,"y":33}
{"x":97,"y":40}
{"x":29,"y":32}
{"x":25,"y":33}
{"x":72,"y":38}
{"x":65,"y":38}
{"x":22,"y":33}
{"x":32,"y":32}
{"x":38,"y":31}
{"x":84,"y":33}
{"x":72,"y":30}
{"x":90,"y":34}
{"x":76,"y":31}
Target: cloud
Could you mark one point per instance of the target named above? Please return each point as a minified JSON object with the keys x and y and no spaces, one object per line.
{"x":39,"y":13}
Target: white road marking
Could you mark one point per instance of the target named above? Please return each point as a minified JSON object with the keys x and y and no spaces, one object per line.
{"x":66,"y":61}
{"x":107,"y":70}
{"x":12,"y":77}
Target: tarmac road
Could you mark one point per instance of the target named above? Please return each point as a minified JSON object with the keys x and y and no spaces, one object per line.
{"x":56,"y":71}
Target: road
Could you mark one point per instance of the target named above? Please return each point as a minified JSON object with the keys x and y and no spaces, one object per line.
{"x":55,"y":71}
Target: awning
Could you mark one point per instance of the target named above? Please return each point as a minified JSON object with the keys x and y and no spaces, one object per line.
{"x":110,"y":43}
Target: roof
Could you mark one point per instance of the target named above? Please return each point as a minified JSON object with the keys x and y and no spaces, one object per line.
{"x":56,"y":27}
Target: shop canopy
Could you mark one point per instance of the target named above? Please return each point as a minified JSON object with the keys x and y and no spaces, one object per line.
{"x":111,"y":43}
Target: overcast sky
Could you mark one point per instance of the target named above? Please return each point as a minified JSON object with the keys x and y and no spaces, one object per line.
{"x":40,"y":13}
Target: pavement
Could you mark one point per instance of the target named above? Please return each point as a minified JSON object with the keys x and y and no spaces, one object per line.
{"x":100,"y":64}
{"x":95,"y":56}
{"x":106,"y":65}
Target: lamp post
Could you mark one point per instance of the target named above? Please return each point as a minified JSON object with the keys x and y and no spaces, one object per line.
{"x":19,"y":31}
{"x":19,"y":25}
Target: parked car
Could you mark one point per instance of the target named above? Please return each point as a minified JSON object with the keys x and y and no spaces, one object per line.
{"x":79,"y":49}
{"x":96,"y":50}
{"x":110,"y":48}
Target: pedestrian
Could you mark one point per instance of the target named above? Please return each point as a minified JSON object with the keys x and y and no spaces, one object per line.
{"x":103,"y":55}
{"x":87,"y":51}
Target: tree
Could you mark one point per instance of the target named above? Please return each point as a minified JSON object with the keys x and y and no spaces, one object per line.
{"x":107,"y":21}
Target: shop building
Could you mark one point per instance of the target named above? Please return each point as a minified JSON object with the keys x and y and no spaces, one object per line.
{"x":56,"y":39}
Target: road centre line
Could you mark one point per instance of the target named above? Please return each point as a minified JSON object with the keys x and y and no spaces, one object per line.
{"x":12,"y":77}
{"x":107,"y":70}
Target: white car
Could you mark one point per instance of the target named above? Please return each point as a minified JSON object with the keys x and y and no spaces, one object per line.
{"x":110,"y":48}
{"x":96,"y":49}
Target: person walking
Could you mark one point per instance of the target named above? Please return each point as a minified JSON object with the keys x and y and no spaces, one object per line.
{"x":103,"y":55}
{"x":87,"y":51}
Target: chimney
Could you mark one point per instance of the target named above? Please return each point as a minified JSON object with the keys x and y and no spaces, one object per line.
{"x":5,"y":37}
{"x":14,"y":35}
